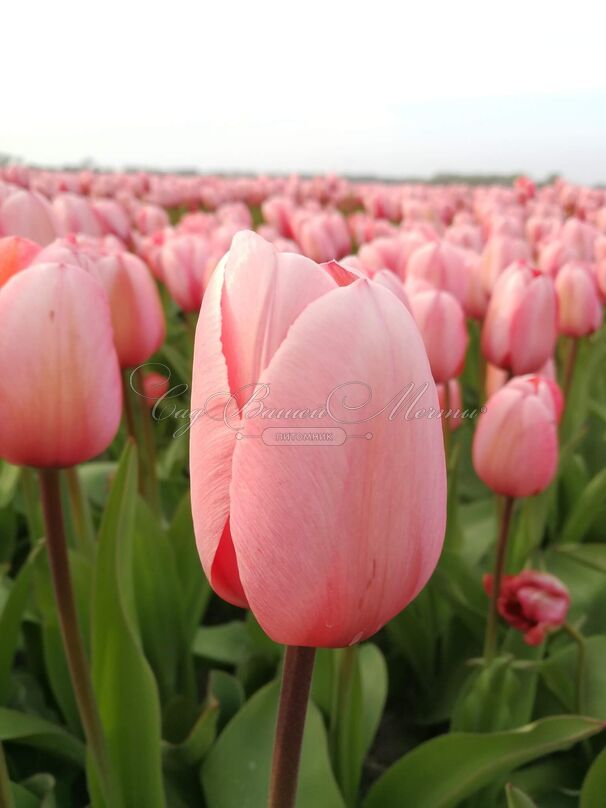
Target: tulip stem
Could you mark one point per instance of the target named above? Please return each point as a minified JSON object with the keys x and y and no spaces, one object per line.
{"x":6,"y":798}
{"x":580,"y":672}
{"x":150,"y":452}
{"x":129,"y":415}
{"x":490,"y":641}
{"x":346,"y":771}
{"x":294,"y":694}
{"x":571,"y":360}
{"x":70,"y":631}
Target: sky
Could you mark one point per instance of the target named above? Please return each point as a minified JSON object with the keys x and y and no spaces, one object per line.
{"x":374,"y":87}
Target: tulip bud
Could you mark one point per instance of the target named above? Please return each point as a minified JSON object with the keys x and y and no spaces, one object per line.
{"x":499,"y":252}
{"x":59,"y":374}
{"x":155,"y":385}
{"x":441,"y":321}
{"x":272,"y":526}
{"x":29,"y":215}
{"x":532,"y":602}
{"x":443,"y":265}
{"x":515,"y":446}
{"x":520,"y":327}
{"x":137,"y":314}
{"x":185,"y":270}
{"x":15,"y":254}
{"x":579,"y":308}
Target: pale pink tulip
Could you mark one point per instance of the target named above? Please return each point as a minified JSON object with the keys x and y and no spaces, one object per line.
{"x":498,"y":254}
{"x":441,"y":321}
{"x":29,"y":215}
{"x":520,"y":328}
{"x":185,"y":270}
{"x":443,"y":265}
{"x":580,"y":311}
{"x":515,"y":446}
{"x":59,"y":374}
{"x":15,"y":254}
{"x":274,"y":528}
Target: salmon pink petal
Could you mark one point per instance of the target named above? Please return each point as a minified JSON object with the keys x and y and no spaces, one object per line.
{"x":341,"y":536}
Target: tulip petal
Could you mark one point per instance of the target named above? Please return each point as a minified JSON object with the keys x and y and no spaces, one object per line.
{"x":342,"y":536}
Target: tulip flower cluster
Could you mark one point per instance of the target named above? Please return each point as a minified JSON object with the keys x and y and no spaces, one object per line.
{"x":358,"y":417}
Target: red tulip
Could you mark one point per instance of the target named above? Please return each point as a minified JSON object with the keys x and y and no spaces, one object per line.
{"x":579,"y":307}
{"x":59,"y":375}
{"x":532,"y":602}
{"x":137,"y":314}
{"x":302,"y":534}
{"x":520,"y":327}
{"x":15,"y":254}
{"x":441,"y":321}
{"x":515,"y":446}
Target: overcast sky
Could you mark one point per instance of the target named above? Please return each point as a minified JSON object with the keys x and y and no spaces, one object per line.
{"x":377,"y":87}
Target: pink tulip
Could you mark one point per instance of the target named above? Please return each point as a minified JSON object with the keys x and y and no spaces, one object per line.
{"x":155,"y":385}
{"x":136,"y":309}
{"x":59,"y":374}
{"x":185,"y":270}
{"x":498,"y":254}
{"x":274,"y":528}
{"x":15,"y":254}
{"x":579,"y":308}
{"x":387,"y":278}
{"x":112,"y":218}
{"x":443,"y":265}
{"x":515,"y":446}
{"x":532,"y":602}
{"x":520,"y":327}
{"x":441,"y":321}
{"x":28,"y":215}
{"x":75,"y":215}
{"x":579,"y":237}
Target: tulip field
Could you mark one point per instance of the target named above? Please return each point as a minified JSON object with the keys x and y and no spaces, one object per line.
{"x":302,"y":492}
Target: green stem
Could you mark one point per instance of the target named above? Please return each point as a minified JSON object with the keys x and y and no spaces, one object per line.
{"x":580,"y":672}
{"x":70,"y":631}
{"x":83,"y":527}
{"x":294,"y":694}
{"x":33,"y":515}
{"x":191,"y":322}
{"x":149,"y":445}
{"x":490,"y":641}
{"x":6,"y":797}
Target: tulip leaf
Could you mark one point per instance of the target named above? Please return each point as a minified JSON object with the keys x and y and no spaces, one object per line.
{"x":11,"y":616}
{"x":587,"y":509}
{"x":125,"y":686}
{"x":194,"y":747}
{"x":517,"y":799}
{"x":236,"y":771}
{"x":195,"y":588}
{"x":559,"y":671}
{"x":22,"y":798}
{"x":467,"y":762}
{"x":592,"y":555}
{"x":594,"y":785}
{"x":30,"y":730}
{"x":9,"y":477}
{"x":229,"y":643}
{"x":159,"y":604}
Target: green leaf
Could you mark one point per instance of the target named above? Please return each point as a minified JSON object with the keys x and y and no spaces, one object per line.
{"x":587,"y":509}
{"x":466,"y":762}
{"x":195,"y":588}
{"x":191,"y":750}
{"x":517,"y":798}
{"x":229,"y":643}
{"x":559,"y":672}
{"x":236,"y":771}
{"x":124,"y":683}
{"x":9,"y":477}
{"x":159,"y":604}
{"x":592,"y":555}
{"x":594,"y":785}
{"x":23,"y":798}
{"x":29,"y":730}
{"x":10,"y":620}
